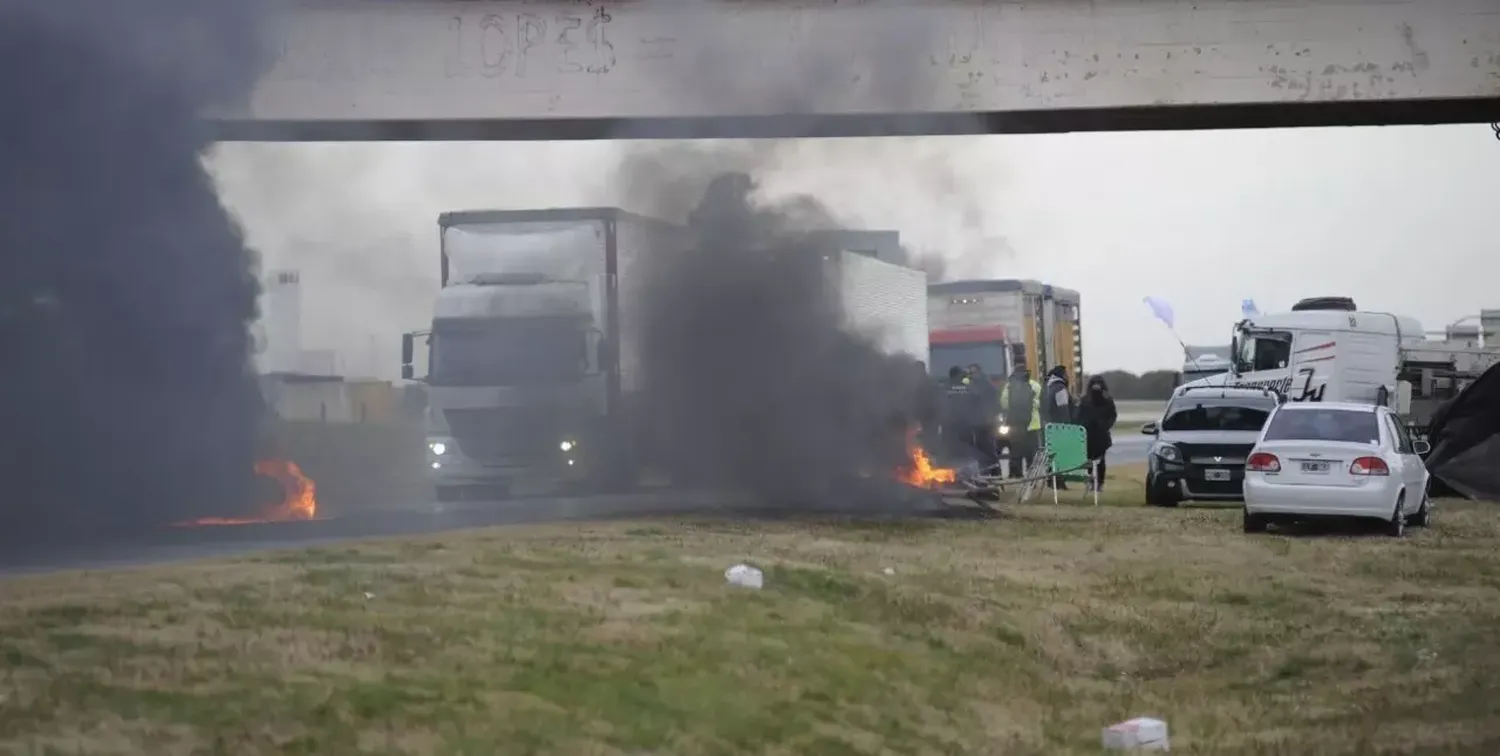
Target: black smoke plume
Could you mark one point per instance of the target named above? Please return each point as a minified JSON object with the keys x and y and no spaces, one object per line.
{"x":754,"y":382}
{"x":125,"y":289}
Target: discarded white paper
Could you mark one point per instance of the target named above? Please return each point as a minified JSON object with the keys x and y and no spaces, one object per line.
{"x":745,"y":576}
{"x":1141,"y":734}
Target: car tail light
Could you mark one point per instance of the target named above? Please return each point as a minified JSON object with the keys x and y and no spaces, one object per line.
{"x":1369,"y":466}
{"x":1263,"y":462}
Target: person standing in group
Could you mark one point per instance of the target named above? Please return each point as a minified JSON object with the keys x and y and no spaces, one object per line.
{"x":1021,"y":401}
{"x":1097,"y":414}
{"x":960,"y":405}
{"x":1058,"y":406}
{"x":984,"y":431}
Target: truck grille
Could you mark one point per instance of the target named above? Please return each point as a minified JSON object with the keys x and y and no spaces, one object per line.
{"x":502,"y":434}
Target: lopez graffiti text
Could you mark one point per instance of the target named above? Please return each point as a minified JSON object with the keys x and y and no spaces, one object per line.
{"x":1304,"y":390}
{"x":525,"y":44}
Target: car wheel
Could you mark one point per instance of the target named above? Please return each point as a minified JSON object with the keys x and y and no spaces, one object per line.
{"x":1156,"y":497}
{"x":1423,"y":517}
{"x":1396,"y":527}
{"x":1253,"y":523}
{"x":1168,"y":497}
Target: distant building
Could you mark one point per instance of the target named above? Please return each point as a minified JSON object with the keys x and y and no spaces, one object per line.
{"x":278,"y":333}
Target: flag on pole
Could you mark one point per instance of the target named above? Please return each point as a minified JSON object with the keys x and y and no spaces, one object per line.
{"x":1248,"y":308}
{"x":1162,"y":311}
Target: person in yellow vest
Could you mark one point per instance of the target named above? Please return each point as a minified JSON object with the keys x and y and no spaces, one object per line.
{"x":1022,"y":402}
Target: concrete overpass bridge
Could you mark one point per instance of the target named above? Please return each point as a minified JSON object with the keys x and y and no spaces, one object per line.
{"x":586,"y":69}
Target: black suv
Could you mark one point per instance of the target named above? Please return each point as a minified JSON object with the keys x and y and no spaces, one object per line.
{"x":1202,"y":442}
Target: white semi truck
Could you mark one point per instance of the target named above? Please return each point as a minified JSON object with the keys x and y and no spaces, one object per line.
{"x":1326,"y":349}
{"x":531,"y":366}
{"x":534,"y":365}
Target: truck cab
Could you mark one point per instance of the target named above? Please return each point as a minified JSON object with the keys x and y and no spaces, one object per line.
{"x":1326,"y":349}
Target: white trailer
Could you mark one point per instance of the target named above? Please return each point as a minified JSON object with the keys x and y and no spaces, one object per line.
{"x":882,"y":301}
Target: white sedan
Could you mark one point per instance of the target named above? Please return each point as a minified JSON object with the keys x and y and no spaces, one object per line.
{"x":1336,"y":459}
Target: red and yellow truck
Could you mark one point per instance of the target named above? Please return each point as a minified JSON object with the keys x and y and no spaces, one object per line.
{"x":1000,"y":323}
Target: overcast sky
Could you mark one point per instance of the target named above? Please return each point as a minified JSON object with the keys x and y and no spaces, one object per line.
{"x":1402,"y":219}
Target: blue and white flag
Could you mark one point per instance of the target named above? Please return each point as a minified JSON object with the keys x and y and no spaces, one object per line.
{"x":1162,"y":311}
{"x":1248,"y":308}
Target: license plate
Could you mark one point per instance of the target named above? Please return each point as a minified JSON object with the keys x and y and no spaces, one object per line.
{"x":1216,"y":475}
{"x":1315,"y":467}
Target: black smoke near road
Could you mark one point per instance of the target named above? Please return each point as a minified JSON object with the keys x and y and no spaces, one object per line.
{"x":754,"y":382}
{"x":125,"y":289}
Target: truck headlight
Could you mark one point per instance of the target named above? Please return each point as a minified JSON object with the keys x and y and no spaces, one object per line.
{"x":567,"y":446}
{"x":438,"y":448}
{"x":1169,"y":453}
{"x":1003,"y":429}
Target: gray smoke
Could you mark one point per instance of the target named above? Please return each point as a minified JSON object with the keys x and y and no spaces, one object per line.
{"x":127,"y":397}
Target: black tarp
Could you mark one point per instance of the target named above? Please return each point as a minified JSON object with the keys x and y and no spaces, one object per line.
{"x":1465,"y":439}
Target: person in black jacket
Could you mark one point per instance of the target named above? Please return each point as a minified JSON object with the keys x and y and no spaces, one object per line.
{"x":963,"y":413}
{"x":986,"y":437}
{"x":1097,"y":415}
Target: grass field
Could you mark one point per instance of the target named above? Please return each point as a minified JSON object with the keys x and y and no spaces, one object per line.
{"x":1022,"y":635}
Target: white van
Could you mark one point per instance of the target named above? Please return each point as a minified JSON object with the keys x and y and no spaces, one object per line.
{"x":1327,"y":350}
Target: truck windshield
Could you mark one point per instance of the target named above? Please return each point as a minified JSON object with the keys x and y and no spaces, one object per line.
{"x":1263,"y":350}
{"x":1198,"y":414}
{"x":989,"y":357}
{"x":509,"y":351}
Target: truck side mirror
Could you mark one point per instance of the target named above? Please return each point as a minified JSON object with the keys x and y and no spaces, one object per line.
{"x":406,"y":372}
{"x":407,"y":350}
{"x":1149,"y":429}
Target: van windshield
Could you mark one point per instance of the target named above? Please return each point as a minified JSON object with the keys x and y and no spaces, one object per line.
{"x":1202,"y":414}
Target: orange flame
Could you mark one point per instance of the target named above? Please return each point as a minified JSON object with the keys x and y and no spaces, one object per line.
{"x":921,"y":472}
{"x":299,"y":500}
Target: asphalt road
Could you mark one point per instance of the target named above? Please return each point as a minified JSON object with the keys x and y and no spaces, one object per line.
{"x":1128,"y":449}
{"x":110,"y":551}
{"x":181,"y":544}
{"x":165,"y":545}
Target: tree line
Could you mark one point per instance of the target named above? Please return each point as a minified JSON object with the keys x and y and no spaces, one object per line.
{"x":1155,"y":384}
